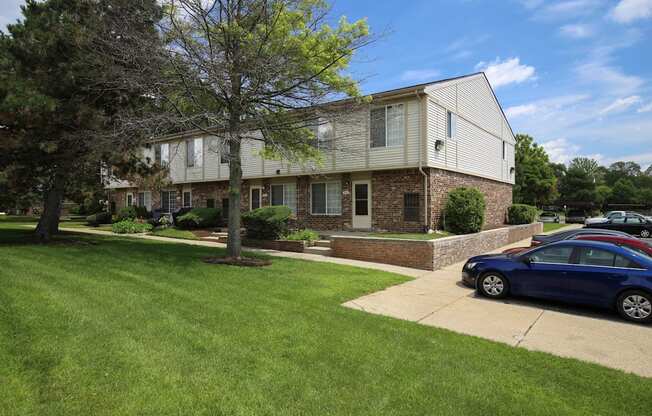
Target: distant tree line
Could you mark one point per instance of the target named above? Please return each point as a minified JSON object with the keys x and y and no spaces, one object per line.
{"x":583,"y":183}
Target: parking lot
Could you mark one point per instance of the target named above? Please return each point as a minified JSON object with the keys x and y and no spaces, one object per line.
{"x":439,"y":299}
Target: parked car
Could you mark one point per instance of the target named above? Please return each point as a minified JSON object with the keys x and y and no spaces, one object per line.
{"x":576,"y":271}
{"x":633,"y":224}
{"x":632,"y":243}
{"x":540,"y":239}
{"x":575,"y":216}
{"x":549,"y":216}
{"x":609,"y":215}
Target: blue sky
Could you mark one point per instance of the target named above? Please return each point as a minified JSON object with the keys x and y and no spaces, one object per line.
{"x":575,"y":74}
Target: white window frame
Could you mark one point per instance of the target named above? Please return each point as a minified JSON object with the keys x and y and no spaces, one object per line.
{"x":172,"y":195}
{"x":183,"y":198}
{"x":127,"y":197}
{"x":165,"y":154}
{"x":251,"y":199}
{"x":147,"y":199}
{"x":285,"y":193}
{"x":451,"y":125}
{"x":197,"y":157}
{"x":402,"y":129}
{"x":326,"y":214}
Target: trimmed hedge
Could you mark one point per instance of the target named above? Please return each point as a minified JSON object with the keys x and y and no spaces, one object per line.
{"x":304,"y":235}
{"x":99,"y":218}
{"x":521,"y":214}
{"x":199,"y":218}
{"x":464,"y":212}
{"x":131,"y":227}
{"x":267,"y":223}
{"x":126,"y":213}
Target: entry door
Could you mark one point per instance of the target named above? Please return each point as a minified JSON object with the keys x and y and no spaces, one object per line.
{"x":362,"y":204}
{"x":255,"y":199}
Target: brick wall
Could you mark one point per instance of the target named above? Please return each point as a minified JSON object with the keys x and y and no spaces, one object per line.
{"x":430,"y":255}
{"x":498,"y":196}
{"x":387,"y":188}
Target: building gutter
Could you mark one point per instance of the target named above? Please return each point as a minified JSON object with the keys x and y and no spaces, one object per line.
{"x":426,"y":217}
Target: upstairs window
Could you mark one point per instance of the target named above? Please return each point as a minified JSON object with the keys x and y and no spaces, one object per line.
{"x":504,"y":150}
{"x":194,"y":150}
{"x":388,"y":126}
{"x":162,"y":154}
{"x":324,"y":135}
{"x":451,"y":125}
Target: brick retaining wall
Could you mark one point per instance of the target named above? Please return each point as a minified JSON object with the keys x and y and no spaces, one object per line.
{"x":429,"y":255}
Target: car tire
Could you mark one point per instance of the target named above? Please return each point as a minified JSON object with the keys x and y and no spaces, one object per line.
{"x":635,"y":306}
{"x":645,"y":233}
{"x":493,"y":285}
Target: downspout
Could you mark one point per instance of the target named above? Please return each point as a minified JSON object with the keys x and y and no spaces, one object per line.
{"x":426,"y":219}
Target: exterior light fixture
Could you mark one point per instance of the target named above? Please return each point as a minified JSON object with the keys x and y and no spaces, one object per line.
{"x":439,"y":144}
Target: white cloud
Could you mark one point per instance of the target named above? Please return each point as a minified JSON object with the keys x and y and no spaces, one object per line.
{"x":627,"y":11}
{"x":509,"y":71}
{"x":561,"y":150}
{"x":621,"y":104}
{"x":610,"y":77}
{"x":645,"y":109}
{"x":520,"y":110}
{"x":577,"y":31}
{"x":567,"y":9}
{"x":531,"y":4}
{"x":416,"y":75}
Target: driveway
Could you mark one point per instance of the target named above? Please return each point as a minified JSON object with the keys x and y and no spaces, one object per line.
{"x":439,"y":299}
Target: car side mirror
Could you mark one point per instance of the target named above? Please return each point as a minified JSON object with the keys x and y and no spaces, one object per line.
{"x":527,"y":260}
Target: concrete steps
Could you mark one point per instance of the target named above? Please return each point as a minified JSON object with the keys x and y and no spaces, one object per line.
{"x":322,"y":251}
{"x":323,"y":243}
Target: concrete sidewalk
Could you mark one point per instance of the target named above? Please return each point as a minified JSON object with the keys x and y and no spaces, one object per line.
{"x":439,"y":299}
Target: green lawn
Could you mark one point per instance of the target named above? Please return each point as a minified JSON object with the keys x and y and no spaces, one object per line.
{"x":172,"y":232}
{"x":551,"y":226}
{"x":84,"y":224}
{"x":96,"y":325}
{"x":412,"y":236}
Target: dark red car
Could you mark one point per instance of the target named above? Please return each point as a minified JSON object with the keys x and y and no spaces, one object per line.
{"x":629,"y":242}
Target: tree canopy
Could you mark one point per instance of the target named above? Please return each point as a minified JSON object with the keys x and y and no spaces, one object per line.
{"x":536,"y":183}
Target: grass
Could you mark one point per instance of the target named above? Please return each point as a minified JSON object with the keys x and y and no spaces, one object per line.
{"x":120,"y":326}
{"x":552,"y":226}
{"x":412,"y":236}
{"x":172,"y":232}
{"x":84,"y":224}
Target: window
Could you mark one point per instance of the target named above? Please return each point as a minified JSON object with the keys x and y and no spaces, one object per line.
{"x":130,"y":199}
{"x":451,"y":125}
{"x":168,"y":201}
{"x":504,"y":150}
{"x":624,"y":263}
{"x":285,"y":194}
{"x":326,"y":198}
{"x":187,"y":199}
{"x":323,"y":135}
{"x":618,"y":220}
{"x":361,"y":192}
{"x":194,"y":150}
{"x":224,"y":153}
{"x":411,"y":207}
{"x":144,"y":199}
{"x":388,"y":126}
{"x":595,"y":257}
{"x":632,"y":219}
{"x":162,"y":154}
{"x":254,"y":201}
{"x":559,"y":255}
{"x":210,"y":203}
{"x":225,"y":208}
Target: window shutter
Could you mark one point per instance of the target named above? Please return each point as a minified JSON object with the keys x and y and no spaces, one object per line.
{"x":199,"y":151}
{"x":377,"y":125}
{"x":190,"y":153}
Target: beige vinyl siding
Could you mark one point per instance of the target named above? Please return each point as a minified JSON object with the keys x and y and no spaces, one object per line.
{"x":211,"y":158}
{"x":436,"y":130}
{"x":475,"y":102}
{"x":478,"y":152}
{"x":178,"y":162}
{"x":352,"y":140}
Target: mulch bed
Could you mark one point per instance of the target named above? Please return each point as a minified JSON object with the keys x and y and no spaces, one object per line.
{"x":243,"y":262}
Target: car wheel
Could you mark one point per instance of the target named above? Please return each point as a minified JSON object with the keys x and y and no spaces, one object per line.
{"x":645,"y":234}
{"x":493,"y":285}
{"x":635,"y":306}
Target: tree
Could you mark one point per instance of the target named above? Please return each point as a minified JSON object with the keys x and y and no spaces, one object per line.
{"x":624,"y":192}
{"x":590,"y":166}
{"x":52,"y":116}
{"x":257,"y":70}
{"x":535,"y":177}
{"x":578,"y":186}
{"x":620,"y":170}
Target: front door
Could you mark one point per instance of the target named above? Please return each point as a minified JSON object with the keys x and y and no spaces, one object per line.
{"x":362,"y":204}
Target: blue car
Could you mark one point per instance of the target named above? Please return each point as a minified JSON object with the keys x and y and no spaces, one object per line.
{"x":575,"y":271}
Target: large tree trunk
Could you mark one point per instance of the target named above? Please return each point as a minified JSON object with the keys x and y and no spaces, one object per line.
{"x":48,"y":224}
{"x":234,"y":243}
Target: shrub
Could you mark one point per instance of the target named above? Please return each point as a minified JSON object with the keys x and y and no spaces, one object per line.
{"x":521,"y":214}
{"x":199,"y":218}
{"x":142,"y":213}
{"x":305,"y":235}
{"x":130,"y":227}
{"x":464,"y":212}
{"x":267,"y":223}
{"x":126,"y":213}
{"x":99,"y":218}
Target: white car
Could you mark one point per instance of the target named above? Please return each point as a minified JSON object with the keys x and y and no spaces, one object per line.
{"x":609,"y":215}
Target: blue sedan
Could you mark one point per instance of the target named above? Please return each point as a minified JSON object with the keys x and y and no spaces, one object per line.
{"x":583,"y":272}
